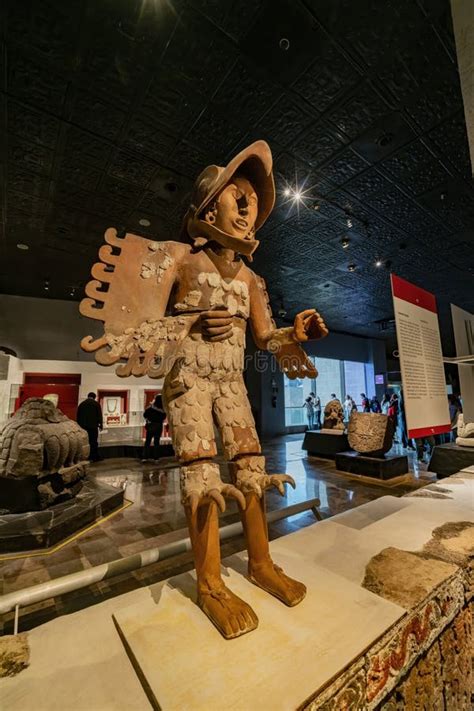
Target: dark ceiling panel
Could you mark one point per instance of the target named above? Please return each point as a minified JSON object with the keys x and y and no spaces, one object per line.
{"x":111,"y":108}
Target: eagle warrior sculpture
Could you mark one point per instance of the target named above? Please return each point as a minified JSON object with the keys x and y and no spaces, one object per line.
{"x":179,"y":310}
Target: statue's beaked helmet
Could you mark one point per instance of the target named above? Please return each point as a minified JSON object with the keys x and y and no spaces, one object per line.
{"x":254,"y":163}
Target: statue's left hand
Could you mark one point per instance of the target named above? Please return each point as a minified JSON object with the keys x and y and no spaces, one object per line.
{"x":309,"y":326}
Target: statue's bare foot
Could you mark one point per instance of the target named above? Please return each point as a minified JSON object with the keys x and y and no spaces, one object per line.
{"x":271,"y":578}
{"x":231,"y":615}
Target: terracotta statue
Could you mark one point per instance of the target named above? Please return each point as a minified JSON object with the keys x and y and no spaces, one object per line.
{"x":43,"y":454}
{"x":180,"y":310}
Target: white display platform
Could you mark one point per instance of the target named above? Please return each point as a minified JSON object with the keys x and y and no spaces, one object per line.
{"x":187,"y":664}
{"x":335,"y":638}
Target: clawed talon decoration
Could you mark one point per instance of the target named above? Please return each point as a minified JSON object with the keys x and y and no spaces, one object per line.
{"x":249,"y":476}
{"x":201,"y":483}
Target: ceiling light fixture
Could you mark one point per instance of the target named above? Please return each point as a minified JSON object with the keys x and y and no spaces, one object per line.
{"x":378,"y":263}
{"x":144,"y":222}
{"x":46,"y":285}
{"x":284,"y":44}
{"x":297,"y":195}
{"x":22,"y":246}
{"x":352,"y":267}
{"x":287,"y":192}
{"x":345,"y":242}
{"x":349,"y":222}
{"x":316,"y":206}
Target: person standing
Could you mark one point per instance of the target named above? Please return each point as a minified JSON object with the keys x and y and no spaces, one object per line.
{"x":365,"y":404}
{"x":308,"y":404}
{"x":385,"y":404}
{"x":393,"y":415}
{"x":89,"y":417}
{"x":317,"y":410}
{"x":375,"y":405}
{"x":154,"y":416}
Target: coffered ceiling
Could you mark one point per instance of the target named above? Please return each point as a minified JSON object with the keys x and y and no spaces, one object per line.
{"x":110,"y":108}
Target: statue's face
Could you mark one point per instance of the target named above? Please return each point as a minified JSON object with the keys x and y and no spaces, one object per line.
{"x":236,"y":209}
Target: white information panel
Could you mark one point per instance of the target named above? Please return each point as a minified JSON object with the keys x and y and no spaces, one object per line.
{"x":421,"y":360}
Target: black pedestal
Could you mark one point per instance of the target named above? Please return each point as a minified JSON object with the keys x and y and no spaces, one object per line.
{"x":390,"y":466}
{"x":450,"y":458}
{"x":320,"y":444}
{"x":43,"y":529}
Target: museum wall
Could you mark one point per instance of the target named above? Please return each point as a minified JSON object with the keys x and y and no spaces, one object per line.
{"x":44,"y":328}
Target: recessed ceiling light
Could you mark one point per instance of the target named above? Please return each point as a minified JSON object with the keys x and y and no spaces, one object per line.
{"x":144,"y":222}
{"x":287,"y":192}
{"x":297,"y":195}
{"x":22,"y":246}
{"x":352,"y":267}
{"x":378,"y":263}
{"x":284,"y":44}
{"x":316,"y":206}
{"x":349,"y":223}
{"x":345,"y":242}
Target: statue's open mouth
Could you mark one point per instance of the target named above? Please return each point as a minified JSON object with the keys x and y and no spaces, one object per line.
{"x":240,"y":222}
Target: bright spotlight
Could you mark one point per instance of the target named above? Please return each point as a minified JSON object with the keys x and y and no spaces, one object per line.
{"x":297,"y":195}
{"x":287,"y":192}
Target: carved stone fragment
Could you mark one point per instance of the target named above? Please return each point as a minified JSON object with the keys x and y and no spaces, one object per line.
{"x":40,"y":443}
{"x":370,"y":433}
{"x":333,"y":416}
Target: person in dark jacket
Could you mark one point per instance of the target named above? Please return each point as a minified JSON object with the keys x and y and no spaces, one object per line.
{"x":365,"y":403}
{"x":154,"y":416}
{"x":89,"y":417}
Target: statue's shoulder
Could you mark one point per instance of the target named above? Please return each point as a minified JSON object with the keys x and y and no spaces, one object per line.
{"x":177,"y":250}
{"x":254,"y":277}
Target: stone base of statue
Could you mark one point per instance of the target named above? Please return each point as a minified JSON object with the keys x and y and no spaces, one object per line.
{"x":325,"y":444}
{"x":35,"y":530}
{"x":32,"y":493}
{"x":386,"y":467}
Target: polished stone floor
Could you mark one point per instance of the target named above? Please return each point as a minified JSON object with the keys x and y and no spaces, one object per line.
{"x":155,"y":517}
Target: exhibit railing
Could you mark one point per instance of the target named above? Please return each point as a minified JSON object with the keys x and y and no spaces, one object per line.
{"x":75,"y":581}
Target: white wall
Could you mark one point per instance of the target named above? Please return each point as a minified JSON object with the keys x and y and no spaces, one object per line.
{"x":93,"y":377}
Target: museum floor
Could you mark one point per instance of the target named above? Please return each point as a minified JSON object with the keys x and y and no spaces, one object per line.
{"x":153,"y":516}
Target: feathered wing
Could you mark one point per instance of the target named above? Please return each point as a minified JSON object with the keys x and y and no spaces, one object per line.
{"x":129,"y":293}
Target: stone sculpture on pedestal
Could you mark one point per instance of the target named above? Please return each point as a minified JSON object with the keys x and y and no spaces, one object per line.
{"x":333,"y":417}
{"x":43,"y":457}
{"x":465,"y":436}
{"x":370,"y":433}
{"x":180,"y":310}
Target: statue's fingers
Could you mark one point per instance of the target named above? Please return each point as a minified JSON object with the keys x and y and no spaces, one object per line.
{"x":212,"y":322}
{"x":307,"y":313}
{"x":218,"y":330}
{"x":233,"y":492}
{"x":218,"y":498}
{"x":221,"y":337}
{"x":222,"y":313}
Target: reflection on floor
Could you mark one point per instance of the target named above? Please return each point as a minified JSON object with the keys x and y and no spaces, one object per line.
{"x":156,"y":518}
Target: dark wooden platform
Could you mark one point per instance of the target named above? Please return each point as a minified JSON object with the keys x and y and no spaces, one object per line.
{"x":320,"y":444}
{"x":387,"y":467}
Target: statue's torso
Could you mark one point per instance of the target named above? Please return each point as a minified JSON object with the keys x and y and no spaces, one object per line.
{"x":203,"y":284}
